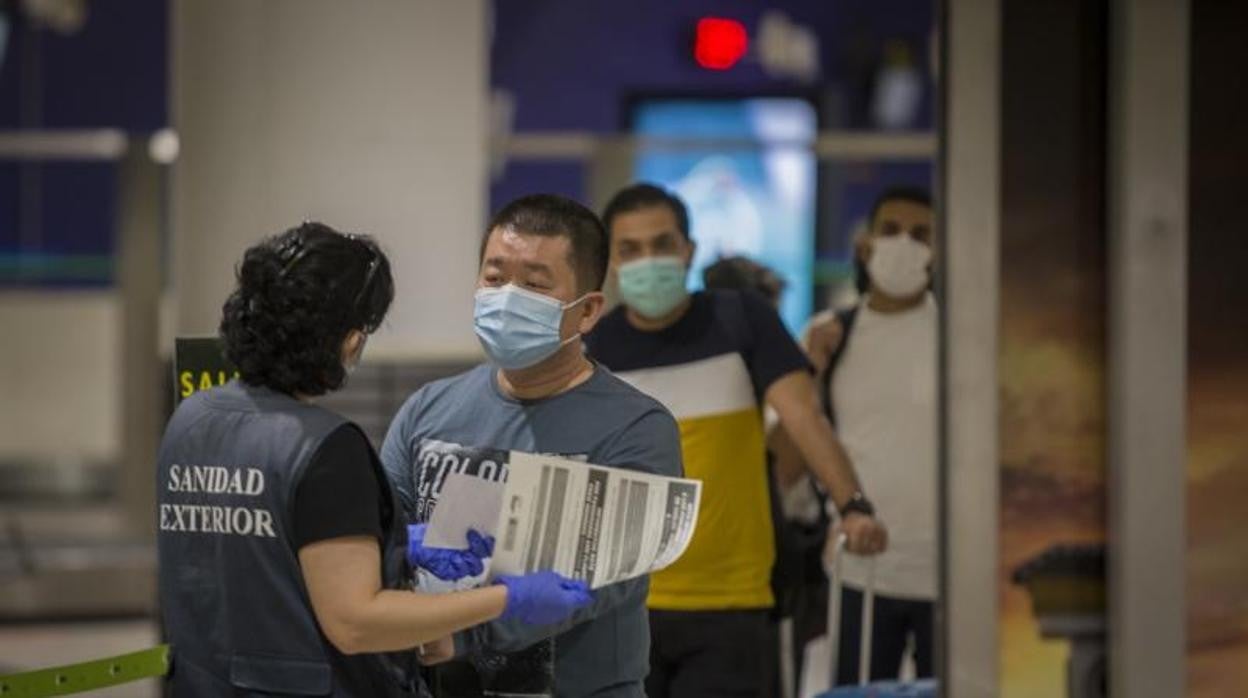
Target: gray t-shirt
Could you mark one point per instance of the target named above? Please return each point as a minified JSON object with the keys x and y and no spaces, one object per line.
{"x":467,"y":424}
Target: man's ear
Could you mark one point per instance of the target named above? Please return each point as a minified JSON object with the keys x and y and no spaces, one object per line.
{"x":862,"y":246}
{"x":593,"y":307}
{"x":691,"y":247}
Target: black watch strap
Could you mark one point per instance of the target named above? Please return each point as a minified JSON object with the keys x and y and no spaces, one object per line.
{"x":858,"y":504}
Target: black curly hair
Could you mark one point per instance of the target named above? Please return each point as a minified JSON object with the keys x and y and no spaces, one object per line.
{"x":299,"y":294}
{"x":744,"y":274}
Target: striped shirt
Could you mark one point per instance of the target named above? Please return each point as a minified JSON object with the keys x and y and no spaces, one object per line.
{"x":711,"y":370}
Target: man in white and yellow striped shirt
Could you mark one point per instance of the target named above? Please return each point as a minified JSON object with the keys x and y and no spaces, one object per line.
{"x":714,"y":359}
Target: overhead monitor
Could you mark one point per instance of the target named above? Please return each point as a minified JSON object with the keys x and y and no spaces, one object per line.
{"x":754,"y":196}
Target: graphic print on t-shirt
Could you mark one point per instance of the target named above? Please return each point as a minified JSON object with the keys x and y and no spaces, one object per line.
{"x":529,"y":672}
{"x":437,"y":459}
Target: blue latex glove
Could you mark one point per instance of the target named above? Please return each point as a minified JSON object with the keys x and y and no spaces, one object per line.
{"x":448,"y":565}
{"x":543,"y":598}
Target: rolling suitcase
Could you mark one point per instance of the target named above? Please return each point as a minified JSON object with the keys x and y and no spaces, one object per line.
{"x":865,"y":689}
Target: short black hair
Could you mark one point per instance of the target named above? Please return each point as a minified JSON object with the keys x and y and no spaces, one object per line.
{"x":914,"y":195}
{"x":744,"y":274}
{"x":554,"y":215}
{"x":298,"y":296}
{"x":646,"y":195}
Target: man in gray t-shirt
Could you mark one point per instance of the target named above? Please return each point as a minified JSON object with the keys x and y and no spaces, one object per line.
{"x":542,"y":266}
{"x":466,"y":424}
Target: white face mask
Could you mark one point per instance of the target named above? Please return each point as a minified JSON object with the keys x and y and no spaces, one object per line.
{"x":898,"y":265}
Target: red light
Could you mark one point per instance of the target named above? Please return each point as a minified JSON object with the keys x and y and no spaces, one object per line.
{"x":720,"y":43}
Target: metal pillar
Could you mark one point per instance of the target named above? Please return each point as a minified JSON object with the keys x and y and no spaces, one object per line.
{"x":139,"y":279}
{"x":1148,"y":106}
{"x":971,"y":205}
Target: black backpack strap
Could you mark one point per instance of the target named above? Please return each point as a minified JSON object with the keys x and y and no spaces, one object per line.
{"x":734,"y":318}
{"x":846,"y":317}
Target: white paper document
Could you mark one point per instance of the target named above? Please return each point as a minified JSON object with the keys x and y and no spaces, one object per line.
{"x":472,"y":503}
{"x":601,"y":525}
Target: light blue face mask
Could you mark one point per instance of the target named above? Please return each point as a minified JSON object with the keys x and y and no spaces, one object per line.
{"x":519,"y":328}
{"x":653,"y":286}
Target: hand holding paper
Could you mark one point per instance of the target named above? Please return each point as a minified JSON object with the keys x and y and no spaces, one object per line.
{"x":447,"y":564}
{"x":600,"y":525}
{"x":543,"y":598}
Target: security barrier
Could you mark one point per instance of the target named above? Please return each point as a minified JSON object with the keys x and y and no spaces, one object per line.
{"x":87,"y":676}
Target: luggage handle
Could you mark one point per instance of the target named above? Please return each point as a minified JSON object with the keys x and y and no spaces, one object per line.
{"x":833,"y":569}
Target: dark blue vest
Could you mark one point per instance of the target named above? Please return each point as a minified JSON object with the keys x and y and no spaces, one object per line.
{"x":235,"y":606}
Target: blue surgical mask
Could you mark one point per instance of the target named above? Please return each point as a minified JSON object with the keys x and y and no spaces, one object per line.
{"x":519,"y":328}
{"x":653,"y":286}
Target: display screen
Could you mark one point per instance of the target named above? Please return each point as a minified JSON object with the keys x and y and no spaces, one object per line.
{"x":756,"y":201}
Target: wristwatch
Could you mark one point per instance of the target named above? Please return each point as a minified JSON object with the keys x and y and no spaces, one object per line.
{"x":858,"y":504}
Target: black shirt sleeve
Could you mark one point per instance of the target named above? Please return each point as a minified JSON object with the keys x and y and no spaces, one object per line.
{"x":339,"y":494}
{"x":773,"y":353}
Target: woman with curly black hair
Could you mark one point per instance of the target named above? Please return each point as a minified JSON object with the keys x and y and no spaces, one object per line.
{"x":300,"y":295}
{"x":282,"y":554}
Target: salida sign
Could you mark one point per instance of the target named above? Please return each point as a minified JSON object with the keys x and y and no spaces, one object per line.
{"x":199,"y":364}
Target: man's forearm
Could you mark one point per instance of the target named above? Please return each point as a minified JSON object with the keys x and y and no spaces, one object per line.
{"x":786,"y":459}
{"x":823,"y":454}
{"x":794,"y":399}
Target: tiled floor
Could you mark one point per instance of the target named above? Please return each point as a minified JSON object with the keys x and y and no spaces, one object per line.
{"x":34,"y":646}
